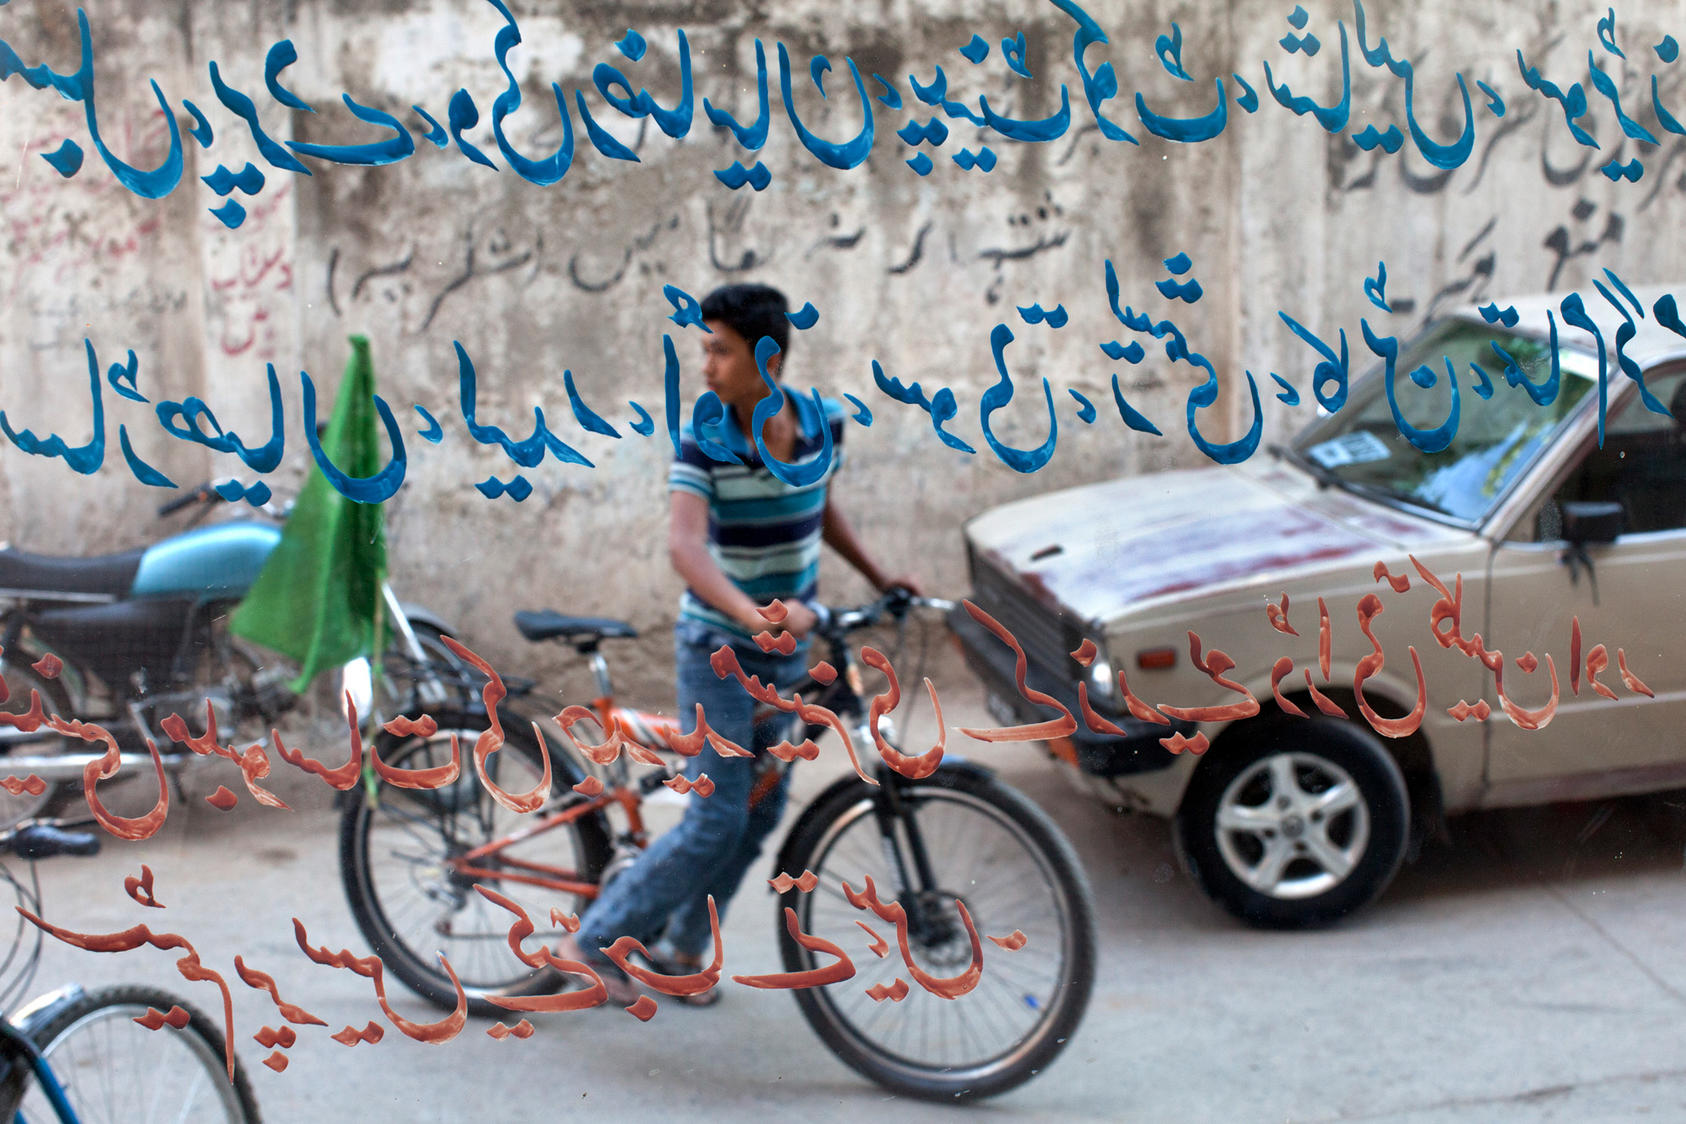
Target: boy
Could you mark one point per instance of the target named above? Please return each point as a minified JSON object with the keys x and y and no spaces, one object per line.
{"x":740,"y":537}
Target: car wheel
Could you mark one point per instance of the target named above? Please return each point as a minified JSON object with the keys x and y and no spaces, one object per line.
{"x":1295,"y":823}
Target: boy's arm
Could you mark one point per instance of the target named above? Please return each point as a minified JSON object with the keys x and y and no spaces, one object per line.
{"x":687,"y":549}
{"x":837,"y":532}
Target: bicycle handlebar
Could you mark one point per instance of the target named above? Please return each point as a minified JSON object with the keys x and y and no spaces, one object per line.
{"x":207,"y":494}
{"x":895,"y":603}
{"x":201,"y":494}
{"x":832,"y":623}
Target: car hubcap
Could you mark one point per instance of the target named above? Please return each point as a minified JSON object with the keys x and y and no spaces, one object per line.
{"x":1292,"y":825}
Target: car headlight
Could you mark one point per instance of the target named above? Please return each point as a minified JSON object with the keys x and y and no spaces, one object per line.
{"x":357,"y":684}
{"x":1103,"y":684}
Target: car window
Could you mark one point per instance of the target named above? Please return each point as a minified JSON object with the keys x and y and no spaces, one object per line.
{"x":1361,"y":447}
{"x":1642,"y":464}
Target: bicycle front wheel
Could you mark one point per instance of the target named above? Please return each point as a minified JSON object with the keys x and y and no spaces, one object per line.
{"x":406,"y":862}
{"x":961,"y":836}
{"x":113,"y":1069}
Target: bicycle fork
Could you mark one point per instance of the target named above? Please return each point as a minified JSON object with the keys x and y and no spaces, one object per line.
{"x":19,"y":1051}
{"x":909,"y":859}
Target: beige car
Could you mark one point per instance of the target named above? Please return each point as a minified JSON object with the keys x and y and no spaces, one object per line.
{"x":1521,"y":582}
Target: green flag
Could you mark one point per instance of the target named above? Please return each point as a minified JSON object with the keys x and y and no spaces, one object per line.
{"x":318,"y":597}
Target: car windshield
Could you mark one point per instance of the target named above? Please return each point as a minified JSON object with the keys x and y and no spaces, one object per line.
{"x":1361,"y":447}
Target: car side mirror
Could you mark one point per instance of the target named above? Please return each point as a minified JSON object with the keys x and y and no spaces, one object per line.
{"x":1592,"y":521}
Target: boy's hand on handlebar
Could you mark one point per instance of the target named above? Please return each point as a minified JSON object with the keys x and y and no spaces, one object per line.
{"x":905,"y":582}
{"x":799,"y":619}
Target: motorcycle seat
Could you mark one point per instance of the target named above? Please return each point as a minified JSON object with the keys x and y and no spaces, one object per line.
{"x":46,"y":577}
{"x":583,"y":633}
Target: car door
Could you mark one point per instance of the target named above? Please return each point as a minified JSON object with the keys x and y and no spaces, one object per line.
{"x":1626,"y":595}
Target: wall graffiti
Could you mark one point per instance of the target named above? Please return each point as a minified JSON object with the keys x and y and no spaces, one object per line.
{"x":1093,"y":249}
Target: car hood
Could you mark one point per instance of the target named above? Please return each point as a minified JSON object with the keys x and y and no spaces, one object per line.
{"x":1099,"y":549}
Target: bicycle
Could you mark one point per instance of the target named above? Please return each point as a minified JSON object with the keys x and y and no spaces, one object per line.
{"x":81,"y":1057}
{"x":410,"y":860}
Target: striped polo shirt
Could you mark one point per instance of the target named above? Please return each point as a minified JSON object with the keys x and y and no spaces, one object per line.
{"x":763,"y":533}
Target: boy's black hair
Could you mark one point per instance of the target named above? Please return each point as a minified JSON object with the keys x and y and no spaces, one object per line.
{"x":752,"y":311}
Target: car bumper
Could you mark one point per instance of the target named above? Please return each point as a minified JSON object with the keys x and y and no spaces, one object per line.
{"x":1102,"y":755}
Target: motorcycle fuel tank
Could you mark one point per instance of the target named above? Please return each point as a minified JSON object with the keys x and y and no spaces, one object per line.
{"x":209,"y":562}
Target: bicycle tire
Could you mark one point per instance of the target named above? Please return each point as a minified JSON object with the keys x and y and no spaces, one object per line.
{"x":840,"y":839}
{"x":113,"y":1069}
{"x":20,"y":677}
{"x":410,"y":909}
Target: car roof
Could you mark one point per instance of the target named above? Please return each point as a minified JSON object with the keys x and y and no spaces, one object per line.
{"x":1651,"y":344}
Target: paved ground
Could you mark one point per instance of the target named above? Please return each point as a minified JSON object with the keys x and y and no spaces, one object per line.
{"x":1532,"y":971}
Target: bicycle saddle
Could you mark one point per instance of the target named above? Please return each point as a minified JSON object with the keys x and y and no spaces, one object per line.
{"x":37,"y":840}
{"x":582,"y":632}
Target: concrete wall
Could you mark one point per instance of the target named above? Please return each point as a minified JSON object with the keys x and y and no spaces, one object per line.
{"x":1275,"y":214}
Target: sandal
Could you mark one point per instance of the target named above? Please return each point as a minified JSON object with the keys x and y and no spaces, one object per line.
{"x":673,"y":966}
{"x":622,"y":991}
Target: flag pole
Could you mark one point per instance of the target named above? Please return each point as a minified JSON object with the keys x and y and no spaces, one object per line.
{"x":375,"y":672}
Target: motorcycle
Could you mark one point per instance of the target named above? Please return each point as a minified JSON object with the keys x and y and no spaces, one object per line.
{"x":142,"y":634}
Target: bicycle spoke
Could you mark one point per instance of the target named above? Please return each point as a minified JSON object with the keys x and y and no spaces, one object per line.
{"x":112,"y":1070}
{"x":1021,"y":979}
{"x":410,"y":902}
{"x":978,"y":856}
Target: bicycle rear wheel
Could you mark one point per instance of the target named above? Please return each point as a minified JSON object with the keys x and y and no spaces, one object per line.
{"x":988,"y":847}
{"x":396,"y":864}
{"x":115,"y":1070}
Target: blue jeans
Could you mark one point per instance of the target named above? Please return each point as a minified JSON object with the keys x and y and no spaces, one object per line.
{"x":666,"y":891}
